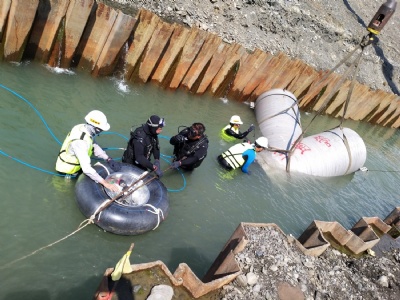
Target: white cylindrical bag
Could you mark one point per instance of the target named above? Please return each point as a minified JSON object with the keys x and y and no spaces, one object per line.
{"x":278,"y":117}
{"x":334,"y":152}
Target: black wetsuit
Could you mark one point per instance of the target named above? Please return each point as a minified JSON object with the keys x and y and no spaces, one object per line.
{"x":191,"y":153}
{"x":141,"y":145}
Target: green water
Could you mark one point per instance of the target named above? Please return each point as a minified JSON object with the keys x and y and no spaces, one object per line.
{"x":38,"y":208}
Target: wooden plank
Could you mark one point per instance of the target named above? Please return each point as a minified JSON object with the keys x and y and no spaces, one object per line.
{"x":177,"y":42}
{"x":390,"y":100}
{"x":275,"y":66}
{"x":5,"y":6}
{"x":76,"y":17}
{"x":237,"y":52}
{"x":20,"y":20}
{"x":290,"y":70}
{"x":141,"y":37}
{"x":384,"y":104}
{"x":333,"y":80}
{"x":217,"y":60}
{"x":202,"y":60}
{"x":190,"y":51}
{"x":257,"y":78}
{"x":95,"y":37}
{"x":396,"y":123}
{"x":155,"y":49}
{"x":117,"y":38}
{"x":303,"y":80}
{"x":340,"y":100}
{"x":316,"y":87}
{"x":45,"y":29}
{"x":395,"y":115}
{"x":248,"y":67}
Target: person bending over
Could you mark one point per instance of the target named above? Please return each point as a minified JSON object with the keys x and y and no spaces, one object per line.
{"x":242,"y":155}
{"x":79,"y":145}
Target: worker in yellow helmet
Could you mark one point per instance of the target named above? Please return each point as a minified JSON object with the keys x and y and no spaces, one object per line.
{"x":79,"y":145}
{"x":231,"y":132}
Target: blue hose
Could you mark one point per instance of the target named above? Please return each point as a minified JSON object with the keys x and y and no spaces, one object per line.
{"x":58,"y":141}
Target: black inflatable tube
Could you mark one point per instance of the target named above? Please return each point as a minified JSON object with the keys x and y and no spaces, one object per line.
{"x":117,"y":218}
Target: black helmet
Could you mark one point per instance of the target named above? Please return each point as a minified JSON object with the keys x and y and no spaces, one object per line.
{"x":156,"y":122}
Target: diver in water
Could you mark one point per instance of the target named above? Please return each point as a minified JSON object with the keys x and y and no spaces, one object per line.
{"x":143,"y":143}
{"x":190,"y":147}
{"x":79,"y":145}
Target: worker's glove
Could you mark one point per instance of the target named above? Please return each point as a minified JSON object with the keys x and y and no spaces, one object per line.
{"x":115,"y":166}
{"x":157,"y":169}
{"x":176,"y":164}
{"x":180,"y":138}
{"x":157,"y":163}
{"x":251,"y":128}
{"x":159,"y":172}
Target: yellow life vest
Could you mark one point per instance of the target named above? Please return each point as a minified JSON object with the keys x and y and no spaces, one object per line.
{"x":233,"y":155}
{"x":67,"y":163}
{"x":226,"y":137}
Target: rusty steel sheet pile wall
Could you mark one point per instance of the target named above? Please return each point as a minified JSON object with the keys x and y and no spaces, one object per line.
{"x":91,"y":36}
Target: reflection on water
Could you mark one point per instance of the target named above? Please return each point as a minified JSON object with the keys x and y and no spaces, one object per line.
{"x":206,"y":205}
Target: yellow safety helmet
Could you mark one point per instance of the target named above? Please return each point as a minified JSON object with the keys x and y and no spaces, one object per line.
{"x":97,"y":119}
{"x":235,"y":120}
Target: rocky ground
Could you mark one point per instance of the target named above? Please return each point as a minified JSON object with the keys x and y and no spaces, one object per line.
{"x":274,"y":268}
{"x":320,"y":32}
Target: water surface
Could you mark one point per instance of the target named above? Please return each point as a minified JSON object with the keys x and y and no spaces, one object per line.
{"x":38,"y":208}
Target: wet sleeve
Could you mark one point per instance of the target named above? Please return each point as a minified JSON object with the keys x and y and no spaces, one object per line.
{"x":249,"y":156}
{"x":81,"y":150}
{"x":200,"y":154}
{"x":156,"y":151}
{"x":139,"y":149}
{"x":173,"y":140}
{"x":239,"y":135}
{"x":98,"y":152}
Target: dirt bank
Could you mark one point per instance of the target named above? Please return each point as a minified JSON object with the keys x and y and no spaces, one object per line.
{"x":320,"y":32}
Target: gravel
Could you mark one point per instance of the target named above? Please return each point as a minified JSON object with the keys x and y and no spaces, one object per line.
{"x":274,"y":268}
{"x":319,"y":32}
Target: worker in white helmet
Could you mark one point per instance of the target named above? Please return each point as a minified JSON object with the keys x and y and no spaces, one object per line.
{"x":79,"y":145}
{"x":242,"y":155}
{"x":231,"y":132}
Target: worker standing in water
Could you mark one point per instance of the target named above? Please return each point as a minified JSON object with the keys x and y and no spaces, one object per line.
{"x":231,"y":132}
{"x":242,"y":155}
{"x":79,"y":145}
{"x":144,"y":143}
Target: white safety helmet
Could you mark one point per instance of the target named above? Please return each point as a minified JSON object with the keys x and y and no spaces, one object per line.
{"x":97,"y":119}
{"x":235,"y":120}
{"x":262,"y":142}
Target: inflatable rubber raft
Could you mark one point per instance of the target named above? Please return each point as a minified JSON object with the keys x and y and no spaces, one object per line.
{"x":143,"y":208}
